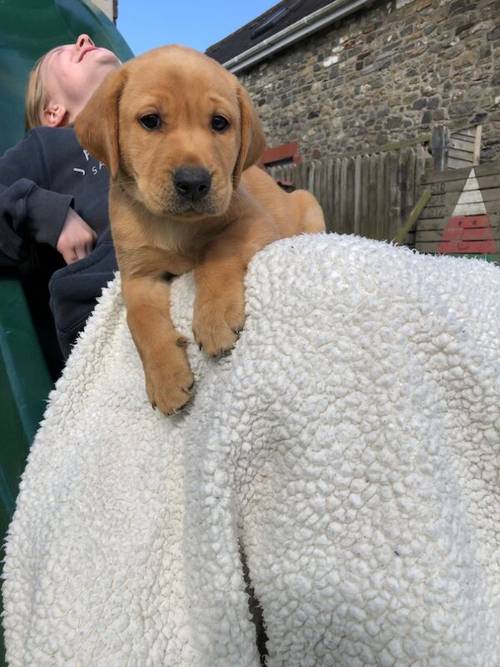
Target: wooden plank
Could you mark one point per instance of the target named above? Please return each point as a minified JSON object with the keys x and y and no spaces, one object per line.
{"x":322,"y":195}
{"x":325,"y":191}
{"x":403,"y":187}
{"x":433,"y":212}
{"x":394,"y":195}
{"x":454,"y":163}
{"x":285,"y":172}
{"x":414,"y":191}
{"x":337,"y":197}
{"x":437,"y":223}
{"x":310,"y":176}
{"x":406,"y":143}
{"x":320,"y":188}
{"x":371,"y":222}
{"x":290,"y":173}
{"x":294,"y":175}
{"x":343,"y":196}
{"x":319,"y":178}
{"x":474,"y":247}
{"x":365,"y":195}
{"x":298,"y":175}
{"x":440,"y":223}
{"x":381,"y":196}
{"x":475,"y":207}
{"x":462,"y":145}
{"x":328,"y":202}
{"x":431,"y":248}
{"x":492,"y":208}
{"x":439,"y":147}
{"x":332,"y":223}
{"x":477,"y":145}
{"x":280,"y":174}
{"x":466,"y":197}
{"x":406,"y":182}
{"x":349,"y":221}
{"x":423,"y":161}
{"x":485,"y":183}
{"x":459,"y":154}
{"x":482,"y":234}
{"x":487,"y":169}
{"x":357,"y":195}
{"x":408,"y":225}
{"x":304,"y":171}
{"x":275,"y":172}
{"x":462,"y":136}
{"x":465,"y":133}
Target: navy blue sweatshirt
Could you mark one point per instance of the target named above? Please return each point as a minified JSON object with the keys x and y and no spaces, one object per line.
{"x":40,"y":178}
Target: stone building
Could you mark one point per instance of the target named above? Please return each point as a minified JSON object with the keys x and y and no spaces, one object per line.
{"x":354,"y":76}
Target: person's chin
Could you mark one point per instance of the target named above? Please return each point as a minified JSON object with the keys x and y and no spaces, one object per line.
{"x":103,"y":56}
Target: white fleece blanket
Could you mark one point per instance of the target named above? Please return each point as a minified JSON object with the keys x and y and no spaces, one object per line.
{"x":350,"y":443}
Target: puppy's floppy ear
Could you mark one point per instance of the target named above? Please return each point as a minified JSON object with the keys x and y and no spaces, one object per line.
{"x":252,"y":142}
{"x":96,"y":126}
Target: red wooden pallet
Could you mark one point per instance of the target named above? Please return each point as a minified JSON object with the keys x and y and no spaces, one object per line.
{"x":468,"y":233}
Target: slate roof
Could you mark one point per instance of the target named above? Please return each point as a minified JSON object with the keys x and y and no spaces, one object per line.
{"x":278,"y":17}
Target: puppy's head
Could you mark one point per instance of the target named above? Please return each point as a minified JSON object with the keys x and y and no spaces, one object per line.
{"x":176,"y":129}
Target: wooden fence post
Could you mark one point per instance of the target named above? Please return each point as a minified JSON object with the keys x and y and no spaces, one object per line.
{"x":439,"y":143}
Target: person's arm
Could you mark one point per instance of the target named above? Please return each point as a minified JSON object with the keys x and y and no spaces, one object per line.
{"x":30,"y":211}
{"x":76,"y":239}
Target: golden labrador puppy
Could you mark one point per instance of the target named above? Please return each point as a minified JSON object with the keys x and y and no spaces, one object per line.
{"x":179,"y":135}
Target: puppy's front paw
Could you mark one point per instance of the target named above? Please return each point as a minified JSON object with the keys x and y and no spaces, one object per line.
{"x":169,"y":380}
{"x":217,"y":323}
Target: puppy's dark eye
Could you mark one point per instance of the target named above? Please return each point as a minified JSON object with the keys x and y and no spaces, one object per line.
{"x":150,"y":121}
{"x":219,"y":123}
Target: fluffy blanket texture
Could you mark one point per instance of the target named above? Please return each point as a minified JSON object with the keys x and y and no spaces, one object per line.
{"x":349,"y":443}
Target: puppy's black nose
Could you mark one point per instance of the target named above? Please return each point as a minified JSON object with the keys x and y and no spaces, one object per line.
{"x":192,"y":183}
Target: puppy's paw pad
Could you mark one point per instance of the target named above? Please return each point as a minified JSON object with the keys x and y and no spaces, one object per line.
{"x":215,"y":340}
{"x":235,"y":318}
{"x":169,"y":388}
{"x":217,"y":325}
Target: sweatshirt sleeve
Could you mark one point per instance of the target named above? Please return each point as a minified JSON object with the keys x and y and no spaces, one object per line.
{"x":28,"y":210}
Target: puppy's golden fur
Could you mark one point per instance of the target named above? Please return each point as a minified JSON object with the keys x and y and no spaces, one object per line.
{"x":158,"y":117}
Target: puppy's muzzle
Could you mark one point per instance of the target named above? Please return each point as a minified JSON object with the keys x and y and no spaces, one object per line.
{"x":192,"y":183}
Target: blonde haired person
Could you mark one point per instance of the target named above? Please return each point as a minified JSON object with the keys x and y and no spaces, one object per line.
{"x":52,"y":192}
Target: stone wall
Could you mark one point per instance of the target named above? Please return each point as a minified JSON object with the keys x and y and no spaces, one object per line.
{"x":386,"y":74}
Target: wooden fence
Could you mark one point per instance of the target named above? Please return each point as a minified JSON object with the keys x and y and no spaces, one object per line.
{"x":456,"y":149}
{"x":463,"y":212}
{"x":369,"y":195}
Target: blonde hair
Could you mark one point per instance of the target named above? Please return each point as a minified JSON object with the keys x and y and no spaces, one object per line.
{"x":35,"y":100}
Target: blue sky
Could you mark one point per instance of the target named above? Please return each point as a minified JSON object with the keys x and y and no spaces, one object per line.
{"x":196,"y":23}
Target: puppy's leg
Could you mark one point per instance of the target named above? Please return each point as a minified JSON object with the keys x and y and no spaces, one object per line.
{"x":219,"y":307}
{"x":161,"y":348}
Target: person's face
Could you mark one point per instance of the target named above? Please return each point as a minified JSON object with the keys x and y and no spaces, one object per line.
{"x":71,"y":73}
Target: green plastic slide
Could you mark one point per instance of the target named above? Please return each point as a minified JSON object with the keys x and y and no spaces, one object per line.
{"x":28,"y":29}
